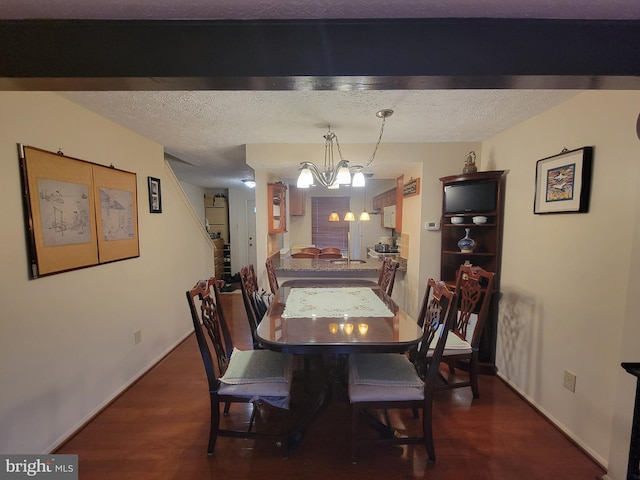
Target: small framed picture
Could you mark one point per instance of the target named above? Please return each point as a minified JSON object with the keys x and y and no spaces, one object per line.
{"x":155,"y":195}
{"x":563,"y":182}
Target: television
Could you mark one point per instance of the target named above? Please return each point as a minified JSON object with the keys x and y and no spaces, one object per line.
{"x":475,"y":197}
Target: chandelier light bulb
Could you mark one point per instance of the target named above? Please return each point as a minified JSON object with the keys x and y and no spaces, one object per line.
{"x":358,"y":179}
{"x":349,"y":217}
{"x":344,"y":176}
{"x":364,"y":216}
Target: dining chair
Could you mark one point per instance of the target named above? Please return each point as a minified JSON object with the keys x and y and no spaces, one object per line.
{"x":473,"y":291}
{"x":331,"y":250}
{"x":314,"y":250}
{"x":249,"y":288}
{"x":388,"y":274}
{"x":390,"y":380}
{"x":259,"y":377}
{"x":303,"y":255}
{"x":271,"y":275}
{"x":329,"y":255}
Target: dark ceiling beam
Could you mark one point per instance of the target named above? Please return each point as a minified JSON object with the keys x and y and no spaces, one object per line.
{"x":319,"y":54}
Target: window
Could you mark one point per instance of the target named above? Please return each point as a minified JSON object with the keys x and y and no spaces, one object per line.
{"x":323,"y":232}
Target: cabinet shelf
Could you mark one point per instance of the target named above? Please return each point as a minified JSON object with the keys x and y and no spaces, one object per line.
{"x":469,"y":225}
{"x":277,"y":207}
{"x":479,"y":254}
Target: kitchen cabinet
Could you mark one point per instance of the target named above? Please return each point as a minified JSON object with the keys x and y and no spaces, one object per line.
{"x":277,"y":207}
{"x":297,"y":201}
{"x":384,"y":199}
{"x":487,"y":252}
{"x":399,"y":198}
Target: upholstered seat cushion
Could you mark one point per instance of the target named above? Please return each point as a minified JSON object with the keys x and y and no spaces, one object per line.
{"x":382,"y":377}
{"x":258,"y":375}
{"x":453,"y":346}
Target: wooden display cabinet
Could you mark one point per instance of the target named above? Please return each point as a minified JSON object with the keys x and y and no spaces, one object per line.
{"x":486,"y":254}
{"x":277,"y":207}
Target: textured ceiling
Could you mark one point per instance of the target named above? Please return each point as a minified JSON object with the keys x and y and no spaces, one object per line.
{"x":207,"y":130}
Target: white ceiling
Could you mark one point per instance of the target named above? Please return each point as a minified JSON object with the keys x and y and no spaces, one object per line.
{"x":207,"y":130}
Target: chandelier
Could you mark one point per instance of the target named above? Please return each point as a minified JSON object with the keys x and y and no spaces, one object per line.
{"x":333,"y":174}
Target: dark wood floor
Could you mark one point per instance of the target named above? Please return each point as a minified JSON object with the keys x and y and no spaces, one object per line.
{"x":158,"y":429}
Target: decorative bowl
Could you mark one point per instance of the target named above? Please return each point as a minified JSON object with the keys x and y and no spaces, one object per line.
{"x":457,"y":220}
{"x":479,"y":220}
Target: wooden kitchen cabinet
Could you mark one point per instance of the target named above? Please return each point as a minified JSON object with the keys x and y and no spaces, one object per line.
{"x":277,"y":207}
{"x":297,"y":201}
{"x":385,"y":199}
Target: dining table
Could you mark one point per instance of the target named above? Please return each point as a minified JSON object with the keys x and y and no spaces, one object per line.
{"x":330,"y":316}
{"x":333,"y":319}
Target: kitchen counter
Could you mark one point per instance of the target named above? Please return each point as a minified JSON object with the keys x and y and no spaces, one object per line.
{"x":318,"y":268}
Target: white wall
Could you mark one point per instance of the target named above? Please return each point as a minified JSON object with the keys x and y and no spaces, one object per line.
{"x":66,"y":341}
{"x":195,"y":195}
{"x":569,"y":300}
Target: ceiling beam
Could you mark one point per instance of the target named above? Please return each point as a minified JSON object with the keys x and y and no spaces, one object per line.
{"x":319,"y":54}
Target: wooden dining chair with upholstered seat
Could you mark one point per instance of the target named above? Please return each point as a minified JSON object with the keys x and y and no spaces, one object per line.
{"x":304,"y":255}
{"x":331,"y":250}
{"x":249,"y":288}
{"x":256,"y":376}
{"x":329,"y":255}
{"x":271,"y":275}
{"x":389,"y":380}
{"x":388,"y":274}
{"x":473,"y":291}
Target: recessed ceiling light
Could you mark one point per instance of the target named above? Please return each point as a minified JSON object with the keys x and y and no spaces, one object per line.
{"x":249,"y":183}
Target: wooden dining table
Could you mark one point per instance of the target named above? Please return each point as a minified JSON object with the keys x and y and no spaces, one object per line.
{"x":332,"y":319}
{"x":329,"y":316}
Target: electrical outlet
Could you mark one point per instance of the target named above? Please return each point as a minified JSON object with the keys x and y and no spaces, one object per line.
{"x":137,"y":337}
{"x":569,"y":381}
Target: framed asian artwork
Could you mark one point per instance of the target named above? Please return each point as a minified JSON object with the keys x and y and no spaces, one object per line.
{"x":65,"y":214}
{"x":155,"y":195}
{"x":563,"y":182}
{"x":116,"y":214}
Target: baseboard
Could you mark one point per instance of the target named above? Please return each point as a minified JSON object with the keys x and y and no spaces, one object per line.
{"x":601,"y":462}
{"x":82,"y":423}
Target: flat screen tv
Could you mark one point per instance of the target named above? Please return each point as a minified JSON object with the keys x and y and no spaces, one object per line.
{"x":470,"y":197}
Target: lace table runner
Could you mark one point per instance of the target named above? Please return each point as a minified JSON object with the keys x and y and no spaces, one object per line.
{"x":334,"y":303}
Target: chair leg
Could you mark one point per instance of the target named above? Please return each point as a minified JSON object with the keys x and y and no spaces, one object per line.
{"x":227,"y":406}
{"x":214,"y":428}
{"x":254,"y":408}
{"x":355,"y":413}
{"x":427,"y":430}
{"x":473,"y":375}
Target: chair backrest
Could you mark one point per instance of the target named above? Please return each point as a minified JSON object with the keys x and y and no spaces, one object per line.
{"x":271,"y":275}
{"x":249,"y":287}
{"x":303,"y":255}
{"x":473,"y":289}
{"x":207,"y":316}
{"x":436,"y":319}
{"x":314,"y":250}
{"x":329,"y":255}
{"x":330,"y":250}
{"x":388,"y":274}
